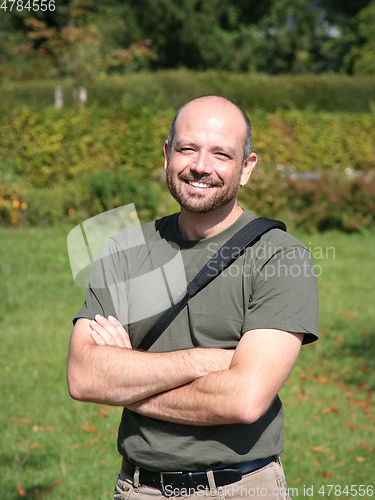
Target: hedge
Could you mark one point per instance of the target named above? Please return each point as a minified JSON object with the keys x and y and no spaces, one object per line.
{"x":71,"y":164}
{"x":163,"y":90}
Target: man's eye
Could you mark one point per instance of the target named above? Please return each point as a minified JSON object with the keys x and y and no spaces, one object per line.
{"x":222,"y":156}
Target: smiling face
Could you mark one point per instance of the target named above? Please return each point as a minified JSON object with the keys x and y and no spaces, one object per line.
{"x":204,"y":165}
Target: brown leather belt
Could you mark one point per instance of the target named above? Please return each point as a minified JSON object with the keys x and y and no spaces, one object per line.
{"x":170,"y":483}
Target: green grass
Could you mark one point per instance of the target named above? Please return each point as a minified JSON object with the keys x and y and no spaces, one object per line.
{"x":54,"y":447}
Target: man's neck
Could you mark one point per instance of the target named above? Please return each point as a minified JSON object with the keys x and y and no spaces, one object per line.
{"x":193,"y":226}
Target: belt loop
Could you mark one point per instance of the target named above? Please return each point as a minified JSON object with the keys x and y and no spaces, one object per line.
{"x":211,"y":480}
{"x":136,"y":478}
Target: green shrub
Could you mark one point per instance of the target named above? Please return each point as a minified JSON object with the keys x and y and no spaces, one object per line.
{"x":317,"y":142}
{"x":75,"y":163}
{"x":332,"y":202}
{"x":164,"y":90}
{"x":108,"y":191}
{"x":342,"y":202}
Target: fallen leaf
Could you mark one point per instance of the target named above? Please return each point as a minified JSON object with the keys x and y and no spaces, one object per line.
{"x":302,"y":397}
{"x":321,"y":379}
{"x":333,"y":409}
{"x":103,"y":412}
{"x":360,"y":459}
{"x":368,"y":397}
{"x":342,"y":385}
{"x":351,"y":426}
{"x":18,"y":420}
{"x":350,"y":314}
{"x":35,"y":446}
{"x":35,"y":428}
{"x":298,"y":480}
{"x":21,"y":491}
{"x":87,"y":427}
{"x":49,"y":428}
{"x":365,"y":446}
{"x":318,"y":449}
{"x":47,"y":491}
{"x":327,"y":473}
{"x":341,"y":464}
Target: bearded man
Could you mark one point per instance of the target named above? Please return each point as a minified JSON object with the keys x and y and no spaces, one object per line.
{"x":201,"y":416}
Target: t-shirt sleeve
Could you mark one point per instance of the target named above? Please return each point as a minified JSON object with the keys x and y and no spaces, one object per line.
{"x":105,"y":277}
{"x":284,"y":293}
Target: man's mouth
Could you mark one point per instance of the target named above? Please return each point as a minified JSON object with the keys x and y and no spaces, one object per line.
{"x":201,"y":185}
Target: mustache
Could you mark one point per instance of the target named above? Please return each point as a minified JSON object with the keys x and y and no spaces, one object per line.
{"x":206,"y":179}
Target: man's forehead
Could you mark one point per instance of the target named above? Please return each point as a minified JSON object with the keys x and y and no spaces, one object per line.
{"x":211,"y":105}
{"x":211,"y":113}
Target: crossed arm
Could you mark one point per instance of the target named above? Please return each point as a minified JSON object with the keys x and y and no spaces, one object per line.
{"x":198,"y":386}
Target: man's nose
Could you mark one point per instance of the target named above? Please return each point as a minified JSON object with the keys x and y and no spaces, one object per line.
{"x":202,"y":164}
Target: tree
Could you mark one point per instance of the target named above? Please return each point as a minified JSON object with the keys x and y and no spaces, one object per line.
{"x":74,"y":46}
{"x":363,"y":54}
{"x":85,"y":38}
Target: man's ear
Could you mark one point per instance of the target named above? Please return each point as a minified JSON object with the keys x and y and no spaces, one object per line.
{"x":166,"y":151}
{"x":247,"y":168}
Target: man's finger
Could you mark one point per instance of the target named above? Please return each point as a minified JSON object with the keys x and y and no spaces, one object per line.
{"x":112,"y":332}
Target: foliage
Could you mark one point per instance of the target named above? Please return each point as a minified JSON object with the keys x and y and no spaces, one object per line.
{"x":332,"y":203}
{"x":165,"y":90}
{"x":74,"y":43}
{"x":275,"y":37}
{"x":317,"y":204}
{"x":363,"y":53}
{"x":68,"y":165}
{"x":72,"y":164}
{"x":74,"y":47}
{"x":54,"y":447}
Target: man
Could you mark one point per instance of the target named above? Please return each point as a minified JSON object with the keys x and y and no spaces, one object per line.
{"x":201,"y":412}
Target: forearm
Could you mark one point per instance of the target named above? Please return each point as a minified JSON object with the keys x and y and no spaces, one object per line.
{"x":210,"y":400}
{"x":240,"y":394}
{"x":120,"y":376}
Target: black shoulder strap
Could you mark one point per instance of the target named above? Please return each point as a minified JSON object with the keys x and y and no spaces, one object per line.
{"x":227,"y":254}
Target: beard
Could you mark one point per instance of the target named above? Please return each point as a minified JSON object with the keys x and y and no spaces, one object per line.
{"x":217,"y":196}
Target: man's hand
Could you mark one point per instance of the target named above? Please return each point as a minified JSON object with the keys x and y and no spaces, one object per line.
{"x":109,"y":332}
{"x":103,"y":367}
{"x":240,"y":394}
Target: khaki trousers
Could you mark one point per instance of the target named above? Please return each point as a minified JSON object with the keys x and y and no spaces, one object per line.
{"x":267,"y":482}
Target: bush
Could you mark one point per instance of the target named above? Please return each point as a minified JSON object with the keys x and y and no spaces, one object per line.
{"x":342,"y":202}
{"x":72,"y":164}
{"x":332,"y":202}
{"x":106,"y":192}
{"x":163,"y":90}
{"x":77,"y":163}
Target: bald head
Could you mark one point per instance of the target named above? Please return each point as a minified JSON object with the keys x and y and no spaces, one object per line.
{"x":216,"y":101}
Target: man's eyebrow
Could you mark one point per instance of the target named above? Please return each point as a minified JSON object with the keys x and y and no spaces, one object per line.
{"x":225,"y":149}
{"x":218,"y":148}
{"x":182,"y":142}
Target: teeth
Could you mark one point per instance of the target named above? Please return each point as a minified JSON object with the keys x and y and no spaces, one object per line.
{"x":199,"y":184}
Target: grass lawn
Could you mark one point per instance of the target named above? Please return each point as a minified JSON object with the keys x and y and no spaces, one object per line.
{"x":54,"y":447}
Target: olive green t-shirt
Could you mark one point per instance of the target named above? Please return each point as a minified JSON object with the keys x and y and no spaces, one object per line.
{"x":142,"y":271}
